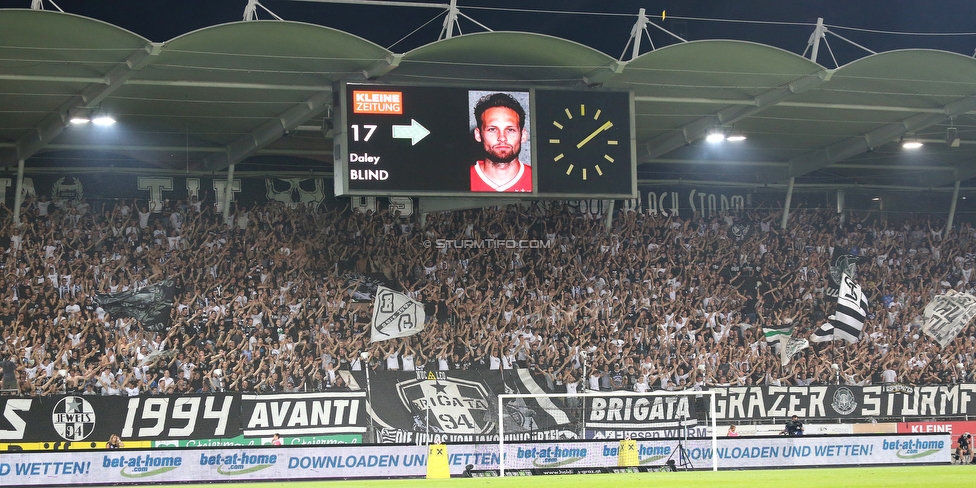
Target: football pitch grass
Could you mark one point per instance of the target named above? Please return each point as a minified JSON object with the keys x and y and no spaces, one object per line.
{"x":908,"y":476}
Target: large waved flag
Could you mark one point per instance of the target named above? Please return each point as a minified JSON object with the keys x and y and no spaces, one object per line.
{"x":852,"y":309}
{"x":781,"y":334}
{"x":825,"y":332}
{"x":778,"y":333}
{"x":947,"y":315}
{"x":844,"y":263}
{"x":150,"y":305}
{"x":395,"y":315}
{"x":793,"y":346}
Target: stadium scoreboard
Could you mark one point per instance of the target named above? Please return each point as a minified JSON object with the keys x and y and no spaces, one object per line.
{"x":412,"y":140}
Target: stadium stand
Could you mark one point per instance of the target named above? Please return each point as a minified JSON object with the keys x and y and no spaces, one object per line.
{"x":264,"y":299}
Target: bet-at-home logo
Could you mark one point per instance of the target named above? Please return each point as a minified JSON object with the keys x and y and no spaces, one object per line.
{"x":73,"y":418}
{"x":455,"y":406}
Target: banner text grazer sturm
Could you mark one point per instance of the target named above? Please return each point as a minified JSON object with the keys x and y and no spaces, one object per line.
{"x":839,"y":402}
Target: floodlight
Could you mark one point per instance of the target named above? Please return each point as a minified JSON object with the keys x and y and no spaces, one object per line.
{"x":79,"y":116}
{"x":715,"y":137}
{"x":911,"y":143}
{"x":103,"y":120}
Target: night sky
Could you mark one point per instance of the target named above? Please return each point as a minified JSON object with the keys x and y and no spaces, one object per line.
{"x":606,"y":27}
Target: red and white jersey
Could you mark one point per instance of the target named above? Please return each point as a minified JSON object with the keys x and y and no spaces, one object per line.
{"x":522,"y":182}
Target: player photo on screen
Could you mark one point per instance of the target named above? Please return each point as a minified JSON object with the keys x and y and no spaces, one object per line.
{"x":499,"y":123}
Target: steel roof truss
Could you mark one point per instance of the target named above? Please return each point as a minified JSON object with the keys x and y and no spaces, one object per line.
{"x":961,"y":172}
{"x":853,"y":146}
{"x":268,"y":132}
{"x":53,"y":124}
{"x":691,"y":131}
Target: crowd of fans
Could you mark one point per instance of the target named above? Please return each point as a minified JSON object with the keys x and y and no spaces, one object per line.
{"x":265,"y":298}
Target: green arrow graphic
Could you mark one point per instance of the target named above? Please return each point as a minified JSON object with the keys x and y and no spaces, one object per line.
{"x":415,"y":132}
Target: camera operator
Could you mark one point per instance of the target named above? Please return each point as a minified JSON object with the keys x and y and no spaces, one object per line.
{"x":794,"y":427}
{"x":964,"y":448}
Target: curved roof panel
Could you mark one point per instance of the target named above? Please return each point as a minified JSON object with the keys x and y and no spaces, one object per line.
{"x":697,"y":82}
{"x":220,"y":83}
{"x":70,"y":40}
{"x":502,"y":57}
{"x":721,"y":69}
{"x":300,"y":53}
{"x":49,"y":57}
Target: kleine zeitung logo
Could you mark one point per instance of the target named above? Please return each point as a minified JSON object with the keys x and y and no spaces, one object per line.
{"x":377,"y":102}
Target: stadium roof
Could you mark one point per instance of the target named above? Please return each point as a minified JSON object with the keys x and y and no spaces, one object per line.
{"x":258,"y":93}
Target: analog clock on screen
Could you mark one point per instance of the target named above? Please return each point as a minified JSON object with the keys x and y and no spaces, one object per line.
{"x":583,"y":142}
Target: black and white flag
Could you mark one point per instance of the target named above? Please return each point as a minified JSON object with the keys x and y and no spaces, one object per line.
{"x":788,"y":345}
{"x":947,"y":315}
{"x":844,"y":264}
{"x":395,"y":315}
{"x":791,"y":348}
{"x":150,"y":305}
{"x":738,"y":232}
{"x":825,"y":332}
{"x":852,"y":309}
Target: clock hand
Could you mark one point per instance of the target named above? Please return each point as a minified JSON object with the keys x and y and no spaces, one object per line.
{"x":600,"y":129}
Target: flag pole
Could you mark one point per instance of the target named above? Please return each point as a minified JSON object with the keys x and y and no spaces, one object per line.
{"x":364,"y":357}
